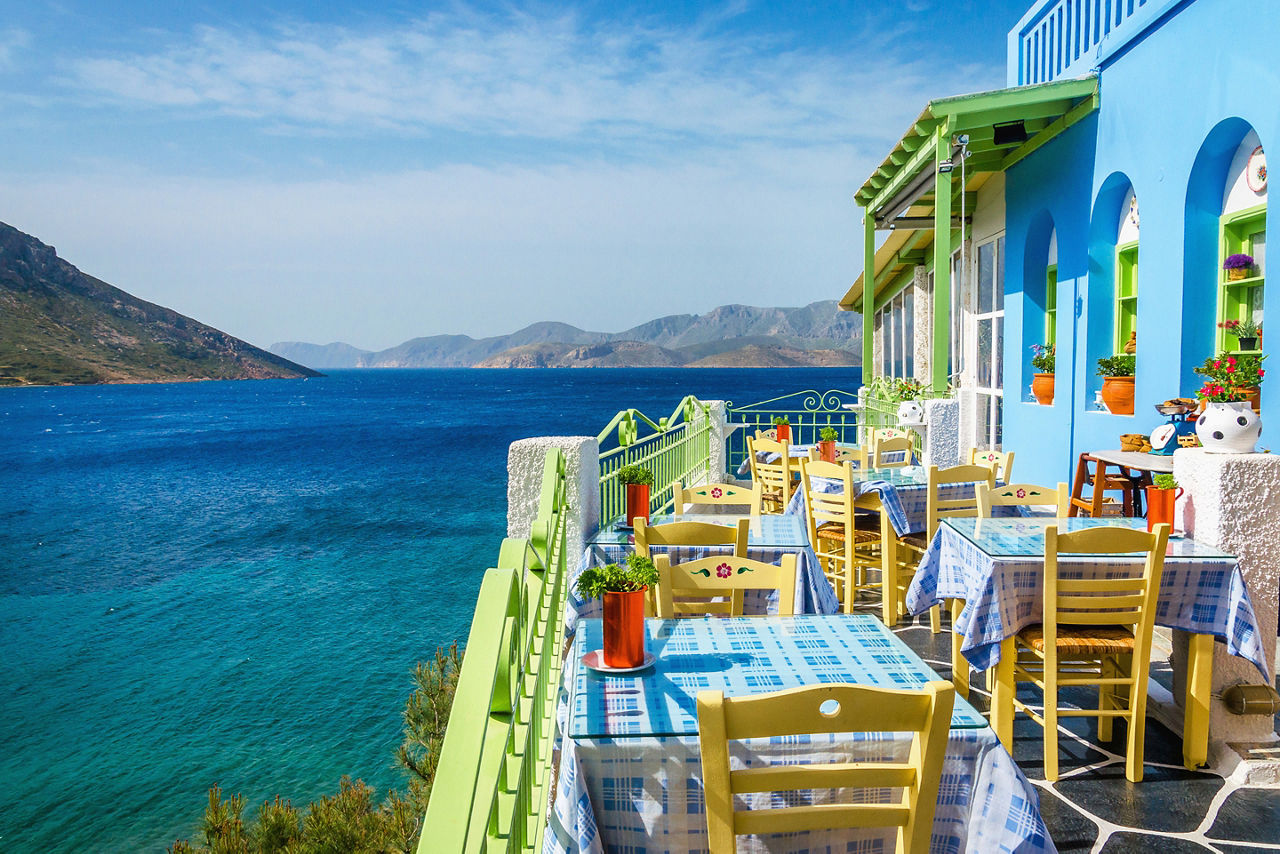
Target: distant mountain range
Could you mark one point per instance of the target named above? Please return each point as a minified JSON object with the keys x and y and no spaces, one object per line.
{"x":59,"y":326}
{"x":729,"y":336}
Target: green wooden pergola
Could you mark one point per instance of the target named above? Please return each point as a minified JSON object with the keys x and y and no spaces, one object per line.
{"x":916,"y":191}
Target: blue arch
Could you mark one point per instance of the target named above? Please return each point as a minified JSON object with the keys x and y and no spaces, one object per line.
{"x":1103,"y":233}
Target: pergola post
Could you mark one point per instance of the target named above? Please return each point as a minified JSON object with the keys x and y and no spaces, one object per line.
{"x":868,"y":292}
{"x":941,"y":260}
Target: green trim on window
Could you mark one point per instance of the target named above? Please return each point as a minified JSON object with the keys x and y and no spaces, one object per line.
{"x":1126,"y":293}
{"x":1051,"y":305}
{"x":1242,"y":231}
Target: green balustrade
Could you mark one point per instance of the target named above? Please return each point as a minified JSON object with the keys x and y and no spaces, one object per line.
{"x":677,"y":448}
{"x":807,"y":411}
{"x":491,"y":785}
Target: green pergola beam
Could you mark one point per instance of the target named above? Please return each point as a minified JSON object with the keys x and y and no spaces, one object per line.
{"x":986,"y":118}
{"x":1020,"y":96}
{"x":918,"y":160}
{"x":894,"y":287}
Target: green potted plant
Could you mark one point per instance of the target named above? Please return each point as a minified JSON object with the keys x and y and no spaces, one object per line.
{"x":1161,"y":497}
{"x":1043,"y":359}
{"x":622,"y":590}
{"x":827,"y":443}
{"x":1117,"y":382}
{"x":1245,"y":331}
{"x":782,"y":426}
{"x":638,"y":482}
{"x":1238,"y":266}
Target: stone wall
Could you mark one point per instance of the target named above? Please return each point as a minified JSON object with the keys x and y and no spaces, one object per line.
{"x":525,"y":461}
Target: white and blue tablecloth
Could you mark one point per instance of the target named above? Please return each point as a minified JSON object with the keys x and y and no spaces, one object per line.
{"x":997,"y":567}
{"x":630,"y":773}
{"x":903,"y":492}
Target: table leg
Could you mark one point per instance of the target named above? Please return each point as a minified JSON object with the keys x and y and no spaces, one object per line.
{"x":1002,"y":692}
{"x":1195,"y":724}
{"x":959,"y":664}
{"x":888,"y":571}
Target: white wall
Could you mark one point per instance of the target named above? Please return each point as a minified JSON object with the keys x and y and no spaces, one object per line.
{"x":1127,"y":229}
{"x":1238,"y":196}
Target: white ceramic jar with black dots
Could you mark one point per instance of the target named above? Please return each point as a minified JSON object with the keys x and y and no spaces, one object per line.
{"x":1229,"y":428}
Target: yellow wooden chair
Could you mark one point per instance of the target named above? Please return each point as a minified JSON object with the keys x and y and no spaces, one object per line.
{"x":847,"y":544}
{"x":771,"y":434}
{"x":719,"y":576}
{"x":1023,"y":495}
{"x":719,"y":494}
{"x":912,"y":547}
{"x":858,"y":708}
{"x":1094,"y":632}
{"x":674,"y":534}
{"x":893,"y":453}
{"x":857,"y":456}
{"x":776,"y":479}
{"x":1001,"y":461}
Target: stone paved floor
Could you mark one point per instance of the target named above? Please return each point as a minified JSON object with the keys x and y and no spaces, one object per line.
{"x":1093,"y":808}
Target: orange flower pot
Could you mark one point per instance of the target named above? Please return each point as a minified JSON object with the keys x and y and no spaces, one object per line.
{"x":637,"y":503}
{"x":1160,"y":504}
{"x":1042,"y":388}
{"x":784,"y":432}
{"x":827,"y":449}
{"x":1117,"y":394}
{"x":624,"y":628}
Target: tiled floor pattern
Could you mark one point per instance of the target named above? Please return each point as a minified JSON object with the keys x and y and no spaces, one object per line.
{"x":1093,"y":808}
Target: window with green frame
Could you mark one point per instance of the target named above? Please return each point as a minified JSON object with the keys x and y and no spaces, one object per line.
{"x":1126,"y":293}
{"x":1051,"y":305}
{"x":1241,"y":299}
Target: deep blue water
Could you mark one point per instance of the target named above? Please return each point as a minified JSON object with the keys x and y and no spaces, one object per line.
{"x":230,"y":582}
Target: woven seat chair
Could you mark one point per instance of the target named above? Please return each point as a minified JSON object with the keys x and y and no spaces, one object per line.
{"x":702,"y":585}
{"x":925,"y":713}
{"x":847,"y":543}
{"x":1000,"y":461}
{"x":776,"y":479}
{"x":1095,"y":631}
{"x":676,"y":534}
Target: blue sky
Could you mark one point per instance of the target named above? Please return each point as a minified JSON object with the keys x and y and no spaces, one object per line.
{"x":373,"y":172}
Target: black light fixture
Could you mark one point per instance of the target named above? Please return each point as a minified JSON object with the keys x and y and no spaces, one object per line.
{"x":1009,"y":133}
{"x":945,"y":166}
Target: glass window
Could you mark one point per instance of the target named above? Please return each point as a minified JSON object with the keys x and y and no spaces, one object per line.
{"x":986,"y":350}
{"x":1051,"y":305}
{"x":1245,"y":233}
{"x":986,"y":278}
{"x":909,"y":330}
{"x":1126,"y":294}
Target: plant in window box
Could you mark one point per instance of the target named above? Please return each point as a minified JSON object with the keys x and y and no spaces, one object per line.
{"x":638,"y":481}
{"x":1117,"y":382}
{"x":1229,"y":424}
{"x":1245,"y":331}
{"x":1043,"y":359}
{"x":782,"y":425}
{"x":1161,"y":496}
{"x":1238,"y":266}
{"x":827,"y":443}
{"x":622,"y":589}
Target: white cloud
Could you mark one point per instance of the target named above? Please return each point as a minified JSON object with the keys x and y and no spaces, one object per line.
{"x":12,"y":41}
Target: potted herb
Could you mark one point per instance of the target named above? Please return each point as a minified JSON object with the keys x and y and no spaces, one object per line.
{"x":1161,"y":496}
{"x":1042,"y":360}
{"x":1238,"y":266}
{"x":1245,"y":331}
{"x":782,"y":426}
{"x":1117,"y":382}
{"x":827,"y":443}
{"x":622,"y":588}
{"x":638,"y":481}
{"x":1229,"y":423}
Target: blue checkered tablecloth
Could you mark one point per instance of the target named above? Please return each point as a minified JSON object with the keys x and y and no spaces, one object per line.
{"x":904,"y":495}
{"x":997,"y":567}
{"x":797,"y":452}
{"x":631,"y":779}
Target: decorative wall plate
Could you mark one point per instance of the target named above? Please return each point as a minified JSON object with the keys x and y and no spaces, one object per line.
{"x":1256,"y":170}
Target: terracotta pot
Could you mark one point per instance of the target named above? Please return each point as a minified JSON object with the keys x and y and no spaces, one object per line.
{"x":637,"y":503}
{"x":1117,"y":394}
{"x":827,"y":449}
{"x":1160,"y":503}
{"x":784,"y":432}
{"x":624,"y":628}
{"x":1042,"y":388}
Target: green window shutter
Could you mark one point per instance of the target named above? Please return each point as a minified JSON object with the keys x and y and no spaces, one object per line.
{"x":1126,"y":293}
{"x":1051,"y":305}
{"x":1242,"y":232}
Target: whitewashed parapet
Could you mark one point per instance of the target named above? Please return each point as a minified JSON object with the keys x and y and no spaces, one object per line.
{"x":717,"y":465}
{"x":942,"y":438}
{"x":525,"y":461}
{"x":1232,"y":501}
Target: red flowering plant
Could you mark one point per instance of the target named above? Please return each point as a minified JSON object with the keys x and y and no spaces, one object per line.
{"x":1241,"y":328}
{"x":1229,"y":378}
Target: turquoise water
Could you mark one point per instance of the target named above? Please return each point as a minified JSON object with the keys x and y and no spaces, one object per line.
{"x":231,"y":582}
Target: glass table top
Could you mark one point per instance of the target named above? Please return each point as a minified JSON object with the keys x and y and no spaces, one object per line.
{"x":1024,"y":536}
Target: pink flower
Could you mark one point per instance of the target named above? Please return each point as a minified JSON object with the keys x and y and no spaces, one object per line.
{"x":723,"y":570}
{"x":1021,"y":493}
{"x":1217,"y":363}
{"x":1261,"y":372}
{"x":1231,"y":360}
{"x":1231,"y":369}
{"x":717,"y":492}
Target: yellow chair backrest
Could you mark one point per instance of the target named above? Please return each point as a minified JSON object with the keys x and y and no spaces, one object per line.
{"x":881,"y":434}
{"x":857,"y":456}
{"x":939,"y":507}
{"x":893,"y":452}
{"x":719,"y":575}
{"x":671,"y":534}
{"x":771,"y":434}
{"x":1001,"y":461}
{"x":1127,"y":602}
{"x":1023,"y":495}
{"x":774,"y":477}
{"x":826,"y":507}
{"x":725,"y":494}
{"x":858,"y":708}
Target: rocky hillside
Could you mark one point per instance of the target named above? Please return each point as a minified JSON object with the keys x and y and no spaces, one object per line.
{"x":59,"y":326}
{"x":729,"y":336}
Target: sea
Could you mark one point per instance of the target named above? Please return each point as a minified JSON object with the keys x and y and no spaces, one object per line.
{"x":230,"y":582}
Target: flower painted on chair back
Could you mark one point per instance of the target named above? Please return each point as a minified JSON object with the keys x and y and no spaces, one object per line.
{"x":717,"y":492}
{"x":1021,"y":493}
{"x":724,"y":570}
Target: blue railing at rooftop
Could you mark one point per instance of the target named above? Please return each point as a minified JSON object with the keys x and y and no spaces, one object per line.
{"x":1059,"y":39}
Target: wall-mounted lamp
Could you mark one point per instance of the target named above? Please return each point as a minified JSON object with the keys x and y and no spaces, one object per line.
{"x":1009,"y":133}
{"x":945,"y":166}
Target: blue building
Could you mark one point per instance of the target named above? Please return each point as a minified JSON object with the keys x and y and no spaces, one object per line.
{"x":1090,"y":205}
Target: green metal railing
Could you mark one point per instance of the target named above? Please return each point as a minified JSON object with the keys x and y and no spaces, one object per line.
{"x":678,"y":448}
{"x":808,"y":412}
{"x":490,"y":788}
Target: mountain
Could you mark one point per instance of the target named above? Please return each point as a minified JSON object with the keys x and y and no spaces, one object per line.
{"x":731,"y":335}
{"x":59,"y":326}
